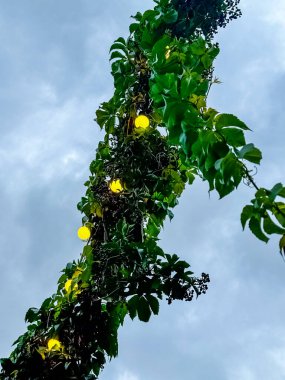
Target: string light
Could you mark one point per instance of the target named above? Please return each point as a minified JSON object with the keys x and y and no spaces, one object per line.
{"x":68,"y":285}
{"x":54,"y":345}
{"x":116,"y":186}
{"x":141,"y":123}
{"x":84,"y":233}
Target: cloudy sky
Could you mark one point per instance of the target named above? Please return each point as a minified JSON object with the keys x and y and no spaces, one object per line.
{"x":54,"y":72}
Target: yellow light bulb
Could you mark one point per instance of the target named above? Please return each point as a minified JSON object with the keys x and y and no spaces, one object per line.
{"x":84,"y":233}
{"x":54,"y":345}
{"x":116,"y":186}
{"x":142,"y":122}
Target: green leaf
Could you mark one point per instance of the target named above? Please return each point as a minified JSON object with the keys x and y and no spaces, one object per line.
{"x":48,"y":302}
{"x":154,"y":303}
{"x":270,"y":227}
{"x":234,"y":137}
{"x":246,"y":214}
{"x":133,"y":27}
{"x":207,"y":61}
{"x":132,"y":305}
{"x":32,"y":315}
{"x":278,"y":189}
{"x":228,"y":120}
{"x":255,"y":227}
{"x":171,"y":16}
{"x":143,"y":309}
{"x":250,"y":153}
{"x":147,"y":39}
{"x":119,"y":46}
{"x":282,"y":246}
{"x":116,"y":54}
{"x":189,"y":84}
{"x":198,"y":47}
{"x":279,"y":212}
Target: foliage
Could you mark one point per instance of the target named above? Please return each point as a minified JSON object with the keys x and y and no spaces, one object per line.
{"x":164,"y":71}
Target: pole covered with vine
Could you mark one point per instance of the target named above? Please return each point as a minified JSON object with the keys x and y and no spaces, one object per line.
{"x":160,"y":135}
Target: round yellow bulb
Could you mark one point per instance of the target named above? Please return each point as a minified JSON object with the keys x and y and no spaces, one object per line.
{"x":84,"y":233}
{"x":116,"y":186}
{"x":142,"y":122}
{"x":54,"y":345}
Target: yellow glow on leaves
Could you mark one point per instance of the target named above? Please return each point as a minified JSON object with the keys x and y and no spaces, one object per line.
{"x":84,"y":233}
{"x":116,"y":186}
{"x":68,"y":286}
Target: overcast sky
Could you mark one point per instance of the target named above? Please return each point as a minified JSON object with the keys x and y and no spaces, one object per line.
{"x":54,"y":72}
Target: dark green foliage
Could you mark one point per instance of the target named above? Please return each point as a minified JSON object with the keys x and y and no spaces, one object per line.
{"x":203,"y":16}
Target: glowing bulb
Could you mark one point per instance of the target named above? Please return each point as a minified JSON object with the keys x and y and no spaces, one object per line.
{"x":84,"y":233}
{"x":116,"y":186}
{"x":142,"y":122}
{"x":54,"y":345}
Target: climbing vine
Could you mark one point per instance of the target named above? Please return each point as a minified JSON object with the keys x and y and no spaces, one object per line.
{"x":159,"y":136}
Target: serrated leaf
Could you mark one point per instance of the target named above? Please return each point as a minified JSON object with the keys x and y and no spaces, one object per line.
{"x":228,"y":120}
{"x":250,"y":153}
{"x":143,"y":309}
{"x":255,"y":227}
{"x":154,"y":303}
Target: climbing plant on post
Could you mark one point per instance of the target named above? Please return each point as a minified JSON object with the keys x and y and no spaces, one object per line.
{"x":160,"y":135}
